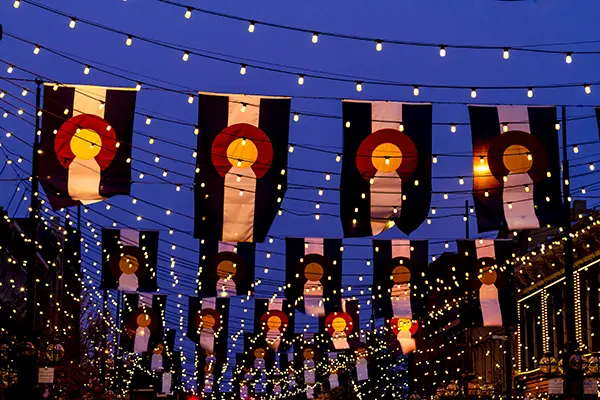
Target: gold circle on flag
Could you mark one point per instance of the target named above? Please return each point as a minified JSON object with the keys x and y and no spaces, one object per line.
{"x":128,"y":264}
{"x":86,"y":144}
{"x":208,"y":321}
{"x":313,"y":272}
{"x":274,"y":322}
{"x":404,"y":324}
{"x":143,"y":320}
{"x":308,"y":354}
{"x":242,"y":153}
{"x":226,"y":269}
{"x":488,"y":276}
{"x":338,"y":324}
{"x":259,"y":353}
{"x":401,"y":275}
{"x":517,"y":159}
{"x":386,"y":157}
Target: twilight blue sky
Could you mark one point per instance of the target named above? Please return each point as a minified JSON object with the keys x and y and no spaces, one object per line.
{"x":482,"y":22}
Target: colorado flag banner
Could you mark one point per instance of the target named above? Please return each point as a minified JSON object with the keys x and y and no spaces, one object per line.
{"x":129,"y":260}
{"x":142,"y":319}
{"x":516,"y":169}
{"x":386,"y":171}
{"x":86,"y":143}
{"x":242,"y":161}
{"x":226,"y":269}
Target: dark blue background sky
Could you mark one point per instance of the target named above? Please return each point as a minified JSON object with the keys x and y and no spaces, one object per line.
{"x":448,"y":22}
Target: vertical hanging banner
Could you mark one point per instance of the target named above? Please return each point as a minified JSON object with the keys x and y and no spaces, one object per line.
{"x":226,"y":269}
{"x":242,"y":156}
{"x":493,"y":301}
{"x":274,"y":319}
{"x":129,"y":260}
{"x":261,"y":360}
{"x":386,"y":171}
{"x":208,"y":327}
{"x":398,"y":286}
{"x":85,"y":143}
{"x":142,"y":319}
{"x":362,"y":358}
{"x":339,"y":325}
{"x":314,"y":274}
{"x":516,"y":169}
{"x":306,"y":363}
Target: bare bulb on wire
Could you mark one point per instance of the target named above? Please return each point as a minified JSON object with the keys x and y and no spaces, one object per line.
{"x":129,"y":41}
{"x":379,"y":45}
{"x":473,"y":93}
{"x":442,"y":51}
{"x":359,"y":87}
{"x":569,"y":58}
{"x":188,"y":13}
{"x":416,"y":90}
{"x":300,"y":79}
{"x":530,"y":92}
{"x":72,"y":23}
{"x":506,"y":54}
{"x":251,"y":27}
{"x":587,"y":89}
{"x":243,"y":69}
{"x":315,"y":37}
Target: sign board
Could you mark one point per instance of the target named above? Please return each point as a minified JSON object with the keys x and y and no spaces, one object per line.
{"x":45,"y":375}
{"x":590,"y":386}
{"x":556,"y":386}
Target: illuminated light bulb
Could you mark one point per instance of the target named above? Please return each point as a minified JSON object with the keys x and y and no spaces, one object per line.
{"x":461,"y":181}
{"x":188,"y":13}
{"x":72,"y":23}
{"x":453,"y":128}
{"x":327,"y":177}
{"x":583,"y":191}
{"x":416,"y":90}
{"x":244,"y":141}
{"x":569,"y":58}
{"x":241,"y":192}
{"x":549,"y":174}
{"x":433,"y":211}
{"x":129,"y":40}
{"x":317,"y":216}
{"x":315,"y":37}
{"x":530,"y":92}
{"x":445,"y":196}
{"x":428,"y":221}
{"x":291,"y":149}
{"x":320,"y":192}
{"x":575,"y":149}
{"x":165,"y":173}
{"x":141,"y":175}
{"x":17,"y":4}
{"x":527,"y":188}
{"x":442,"y":51}
{"x":5,"y":115}
{"x":157,"y":158}
{"x":338,"y":158}
{"x":178,"y":188}
{"x":296,"y":117}
{"x":36,"y":50}
{"x":587,"y":89}
{"x":86,"y":70}
{"x":151,"y":140}
{"x":529,"y":156}
{"x":300,"y":79}
{"x":317,"y":205}
{"x":379,"y":45}
{"x":243,"y":69}
{"x":24,"y":92}
{"x":487,"y":194}
{"x":592,"y":167}
{"x":510,"y":205}
{"x":243,"y":108}
{"x":387,"y":160}
{"x":557,"y":126}
{"x":251,"y":27}
{"x":2,"y":94}
{"x":347,"y":125}
{"x":395,"y":210}
{"x":101,"y":105}
{"x":10,"y":69}
{"x":505,"y":54}
{"x":148,"y":120}
{"x":434,"y":159}
{"x":196,"y":131}
{"x":401,"y":127}
{"x":473,"y":93}
{"x":505,"y":128}
{"x":186,"y":56}
{"x":359,"y":87}
{"x":66,"y":111}
{"x":191,"y":99}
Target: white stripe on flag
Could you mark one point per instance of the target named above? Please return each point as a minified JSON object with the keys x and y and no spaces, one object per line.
{"x":516,"y":117}
{"x":87,"y":100}
{"x":314,"y":246}
{"x":400,"y":248}
{"x":227,"y":246}
{"x":485,"y":248}
{"x":385,"y":115}
{"x":250,"y":112}
{"x":130,"y":237}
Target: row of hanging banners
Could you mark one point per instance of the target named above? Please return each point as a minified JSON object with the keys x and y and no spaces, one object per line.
{"x":242,"y":152}
{"x":314,"y":269}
